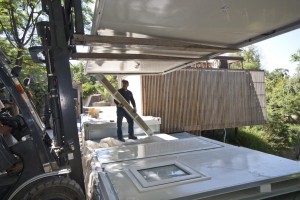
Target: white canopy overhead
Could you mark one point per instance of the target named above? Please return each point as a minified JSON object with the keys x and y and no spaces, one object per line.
{"x":218,"y":23}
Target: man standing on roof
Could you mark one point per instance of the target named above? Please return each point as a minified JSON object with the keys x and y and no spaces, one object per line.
{"x":122,"y":113}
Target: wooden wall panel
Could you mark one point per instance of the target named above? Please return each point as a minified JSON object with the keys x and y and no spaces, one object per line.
{"x":205,"y":99}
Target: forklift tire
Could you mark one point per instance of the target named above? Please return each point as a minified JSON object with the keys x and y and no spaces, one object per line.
{"x":55,"y":188}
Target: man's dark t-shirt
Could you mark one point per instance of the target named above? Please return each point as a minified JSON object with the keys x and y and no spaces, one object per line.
{"x":127,"y":95}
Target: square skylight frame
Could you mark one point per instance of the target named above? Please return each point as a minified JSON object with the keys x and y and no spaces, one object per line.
{"x":143,"y":185}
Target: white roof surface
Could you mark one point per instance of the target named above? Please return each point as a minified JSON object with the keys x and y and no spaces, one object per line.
{"x":225,"y":23}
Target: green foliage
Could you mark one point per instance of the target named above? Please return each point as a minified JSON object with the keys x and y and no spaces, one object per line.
{"x":282,"y":130}
{"x":296,"y":56}
{"x":17,"y":28}
{"x":253,"y":138}
{"x":251,"y":59}
{"x":38,"y":91}
{"x":17,"y":23}
{"x":89,"y":84}
{"x":87,"y":14}
{"x":18,"y":32}
{"x":78,"y":74}
{"x":36,"y":72}
{"x":283,"y":109}
{"x":89,"y":89}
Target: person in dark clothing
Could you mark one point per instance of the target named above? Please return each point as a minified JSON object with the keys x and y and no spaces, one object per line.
{"x":7,"y":159}
{"x":122,"y":113}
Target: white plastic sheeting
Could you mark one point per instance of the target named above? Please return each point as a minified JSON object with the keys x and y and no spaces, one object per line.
{"x":89,"y":160}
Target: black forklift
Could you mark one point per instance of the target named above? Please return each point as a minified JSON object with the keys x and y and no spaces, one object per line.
{"x":52,"y":169}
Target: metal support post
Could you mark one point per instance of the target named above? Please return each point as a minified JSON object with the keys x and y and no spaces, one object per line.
{"x":59,"y":55}
{"x":79,"y":25}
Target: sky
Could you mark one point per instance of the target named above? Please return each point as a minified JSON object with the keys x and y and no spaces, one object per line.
{"x":276,"y":52}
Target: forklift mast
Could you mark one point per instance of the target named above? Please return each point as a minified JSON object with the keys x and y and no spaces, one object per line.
{"x":55,"y":35}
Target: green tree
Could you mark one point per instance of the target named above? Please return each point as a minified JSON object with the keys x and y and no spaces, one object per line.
{"x":251,"y":57}
{"x":89,"y":83}
{"x":87,"y":14}
{"x":18,"y":24}
{"x":283,"y":108}
{"x":276,"y":126}
{"x":32,"y":70}
{"x":282,"y":130}
{"x":296,"y":57}
{"x":18,"y":32}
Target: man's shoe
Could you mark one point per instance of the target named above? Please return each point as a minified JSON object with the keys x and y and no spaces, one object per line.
{"x":121,"y":139}
{"x":132,"y":137}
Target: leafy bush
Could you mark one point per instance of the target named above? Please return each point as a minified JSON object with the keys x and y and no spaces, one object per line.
{"x":252,"y":138}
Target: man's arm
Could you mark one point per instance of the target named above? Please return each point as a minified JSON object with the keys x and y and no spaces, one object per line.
{"x":132,"y":100}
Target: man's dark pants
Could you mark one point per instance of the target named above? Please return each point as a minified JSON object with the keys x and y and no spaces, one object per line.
{"x":120,"y":114}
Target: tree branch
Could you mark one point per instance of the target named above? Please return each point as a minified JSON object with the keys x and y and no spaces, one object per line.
{"x":28,"y":24}
{"x":30,"y":36}
{"x":11,"y":25}
{"x":14,"y":25}
{"x":7,"y":35}
{"x":34,"y":20}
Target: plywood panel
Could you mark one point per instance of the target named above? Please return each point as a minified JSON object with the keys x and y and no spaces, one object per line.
{"x":205,"y":99}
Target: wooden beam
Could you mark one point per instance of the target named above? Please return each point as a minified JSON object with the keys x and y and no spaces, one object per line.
{"x":123,"y":57}
{"x":96,"y":40}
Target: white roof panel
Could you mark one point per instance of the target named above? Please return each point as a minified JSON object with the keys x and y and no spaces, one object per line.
{"x":131,"y":67}
{"x":226,"y":23}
